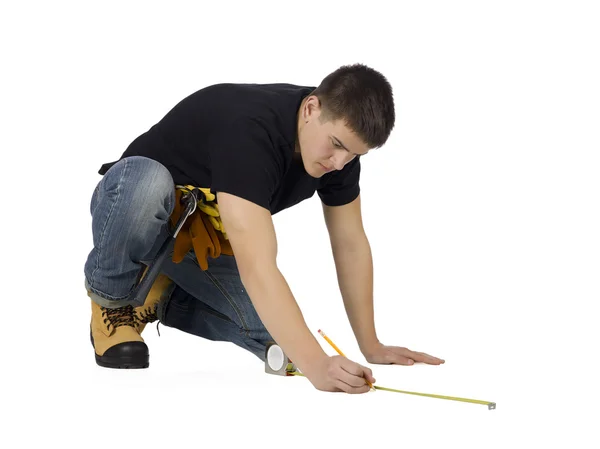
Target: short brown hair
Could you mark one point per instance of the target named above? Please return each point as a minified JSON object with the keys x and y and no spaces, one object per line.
{"x":363,"y":98}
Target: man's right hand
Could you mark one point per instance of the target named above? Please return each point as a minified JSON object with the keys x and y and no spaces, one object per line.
{"x":339,"y":374}
{"x":252,"y":235}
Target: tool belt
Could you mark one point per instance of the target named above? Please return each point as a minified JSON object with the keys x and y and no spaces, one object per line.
{"x":203,"y":230}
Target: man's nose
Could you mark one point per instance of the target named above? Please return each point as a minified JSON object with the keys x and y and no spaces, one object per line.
{"x":339,"y":160}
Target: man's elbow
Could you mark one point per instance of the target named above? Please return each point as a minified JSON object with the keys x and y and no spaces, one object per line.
{"x":254,"y":268}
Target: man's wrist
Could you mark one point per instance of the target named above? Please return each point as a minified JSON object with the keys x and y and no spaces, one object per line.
{"x":310,"y":363}
{"x":369,"y":346}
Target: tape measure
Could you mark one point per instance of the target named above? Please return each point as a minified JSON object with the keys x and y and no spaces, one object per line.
{"x":276,"y":362}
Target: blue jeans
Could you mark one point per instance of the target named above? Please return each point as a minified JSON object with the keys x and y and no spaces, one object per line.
{"x":130,"y":209}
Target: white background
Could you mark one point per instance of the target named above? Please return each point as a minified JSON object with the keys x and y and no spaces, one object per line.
{"x":481,"y":210}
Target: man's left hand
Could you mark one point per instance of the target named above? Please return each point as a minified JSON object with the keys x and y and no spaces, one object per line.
{"x":395,"y":355}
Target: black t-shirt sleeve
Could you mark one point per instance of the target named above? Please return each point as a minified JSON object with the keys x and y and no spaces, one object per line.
{"x":343,"y":186}
{"x":245,"y":163}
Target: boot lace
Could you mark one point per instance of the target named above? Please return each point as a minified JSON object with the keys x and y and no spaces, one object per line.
{"x":148,"y":315}
{"x":122,"y":316}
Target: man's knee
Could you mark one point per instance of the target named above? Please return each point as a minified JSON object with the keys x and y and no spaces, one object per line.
{"x":146,"y":184}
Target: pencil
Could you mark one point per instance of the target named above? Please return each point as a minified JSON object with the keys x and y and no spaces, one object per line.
{"x":339,"y":351}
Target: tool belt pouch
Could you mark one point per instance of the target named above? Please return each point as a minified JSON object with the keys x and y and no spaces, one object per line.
{"x":198,"y":233}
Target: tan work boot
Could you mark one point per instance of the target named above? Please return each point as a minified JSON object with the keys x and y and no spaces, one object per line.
{"x":147,"y":312}
{"x":116,"y":339}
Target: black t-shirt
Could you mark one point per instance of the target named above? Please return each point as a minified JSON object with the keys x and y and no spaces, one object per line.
{"x":240,"y":139}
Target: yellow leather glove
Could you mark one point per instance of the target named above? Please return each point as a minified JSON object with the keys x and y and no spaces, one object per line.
{"x":208,"y":207}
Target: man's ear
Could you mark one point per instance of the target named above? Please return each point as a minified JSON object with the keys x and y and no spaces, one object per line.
{"x":312,"y":108}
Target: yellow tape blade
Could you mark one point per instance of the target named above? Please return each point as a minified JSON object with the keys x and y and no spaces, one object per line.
{"x":491,"y":405}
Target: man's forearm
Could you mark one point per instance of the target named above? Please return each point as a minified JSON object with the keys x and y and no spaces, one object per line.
{"x":279,"y":312}
{"x":354,"y":265}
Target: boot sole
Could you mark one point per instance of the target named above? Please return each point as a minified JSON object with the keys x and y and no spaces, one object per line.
{"x":136,"y":361}
{"x":122,"y":362}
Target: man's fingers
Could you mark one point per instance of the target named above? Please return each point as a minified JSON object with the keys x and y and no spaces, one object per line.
{"x":353,"y":380}
{"x":351,"y":367}
{"x":368,"y":374}
{"x":426,"y":358}
{"x":355,"y":372}
{"x":405,"y":356}
{"x":400,"y":360}
{"x":351,"y":389}
{"x":398,"y":356}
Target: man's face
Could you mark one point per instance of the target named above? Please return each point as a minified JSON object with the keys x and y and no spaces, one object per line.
{"x":325,"y":146}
